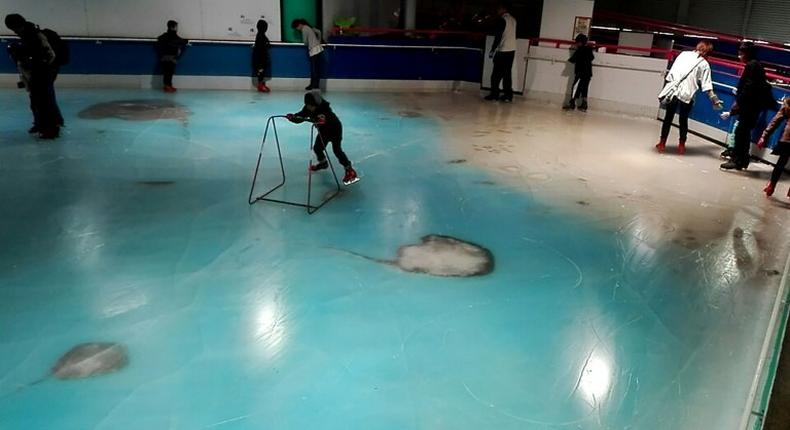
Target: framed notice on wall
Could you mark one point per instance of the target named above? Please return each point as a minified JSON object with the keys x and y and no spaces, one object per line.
{"x":581,"y":25}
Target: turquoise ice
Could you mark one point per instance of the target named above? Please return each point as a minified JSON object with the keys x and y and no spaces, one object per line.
{"x":239,"y":317}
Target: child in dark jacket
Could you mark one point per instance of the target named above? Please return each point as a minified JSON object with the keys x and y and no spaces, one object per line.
{"x":261,"y":61}
{"x":330,"y":130}
{"x":170,"y":46}
{"x":782,"y":148}
{"x":582,"y":59}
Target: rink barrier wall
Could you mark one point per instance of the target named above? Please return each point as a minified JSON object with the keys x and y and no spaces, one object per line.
{"x":136,"y":57}
{"x":621,"y":83}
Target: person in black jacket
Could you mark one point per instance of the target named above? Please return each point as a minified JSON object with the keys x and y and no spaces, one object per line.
{"x":261,"y":61}
{"x":37,"y":64}
{"x":170,"y":46}
{"x":582,"y":59}
{"x":330,"y":130}
{"x":754,"y":95}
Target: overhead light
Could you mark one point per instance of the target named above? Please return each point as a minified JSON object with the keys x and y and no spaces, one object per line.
{"x":600,"y":27}
{"x":627,"y":29}
{"x":762,"y":42}
{"x":699,"y":36}
{"x":663,"y":33}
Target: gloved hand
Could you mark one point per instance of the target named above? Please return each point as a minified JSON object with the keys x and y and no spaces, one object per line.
{"x":718,"y":105}
{"x":761,"y":143}
{"x":725,"y":115}
{"x":290,"y":117}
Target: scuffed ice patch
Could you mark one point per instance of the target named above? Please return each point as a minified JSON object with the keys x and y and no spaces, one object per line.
{"x":137,"y":110}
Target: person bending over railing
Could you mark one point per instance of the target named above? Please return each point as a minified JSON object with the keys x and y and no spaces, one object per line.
{"x":690,"y":73}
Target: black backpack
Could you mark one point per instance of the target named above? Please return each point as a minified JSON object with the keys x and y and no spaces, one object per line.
{"x":60,"y":46}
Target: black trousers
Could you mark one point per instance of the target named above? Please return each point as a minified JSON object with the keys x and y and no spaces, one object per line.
{"x":582,"y":84}
{"x":747,"y":120}
{"x":261,"y":76}
{"x":168,"y":70}
{"x":315,"y":70}
{"x":43,"y":103}
{"x":779,"y":168}
{"x":319,"y":147}
{"x":503,"y":73}
{"x":677,"y":106}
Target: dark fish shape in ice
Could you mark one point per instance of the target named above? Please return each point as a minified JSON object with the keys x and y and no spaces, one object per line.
{"x":90,"y":359}
{"x":445,"y":256}
{"x":137,"y":110}
{"x":84,"y":361}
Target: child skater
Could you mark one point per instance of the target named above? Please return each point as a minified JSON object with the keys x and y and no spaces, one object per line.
{"x":330,"y":130}
{"x":261,"y":62}
{"x":782,"y":148}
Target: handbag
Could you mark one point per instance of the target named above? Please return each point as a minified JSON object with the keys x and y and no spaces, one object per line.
{"x":671,"y":89}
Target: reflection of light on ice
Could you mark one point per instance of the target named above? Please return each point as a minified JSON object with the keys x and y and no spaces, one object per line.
{"x":595,"y":379}
{"x":120,"y":302}
{"x":270,"y":328}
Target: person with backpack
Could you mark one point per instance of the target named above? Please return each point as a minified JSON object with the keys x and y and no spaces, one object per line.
{"x":38,"y":65}
{"x":170,"y":47}
{"x":261,"y":60}
{"x":754,"y":95}
{"x":312,"y":40}
{"x":689,"y":73}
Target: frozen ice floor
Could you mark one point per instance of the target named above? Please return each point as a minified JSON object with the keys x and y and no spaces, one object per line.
{"x":630,"y":290}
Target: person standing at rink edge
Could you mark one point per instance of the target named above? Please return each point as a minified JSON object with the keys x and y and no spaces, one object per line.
{"x":782,"y":148}
{"x":503,"y":52}
{"x":261,"y":60}
{"x":170,"y":46}
{"x":754,"y":96}
{"x":582,"y":60}
{"x":38,"y":64}
{"x":312,"y":40}
{"x":689,"y":73}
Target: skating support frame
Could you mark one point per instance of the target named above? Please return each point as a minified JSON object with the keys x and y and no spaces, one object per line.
{"x":311,"y":209}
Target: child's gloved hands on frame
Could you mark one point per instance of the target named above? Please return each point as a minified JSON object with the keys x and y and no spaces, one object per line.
{"x":294,"y":119}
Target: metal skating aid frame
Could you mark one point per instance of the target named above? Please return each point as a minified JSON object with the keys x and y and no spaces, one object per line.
{"x":311,"y":209}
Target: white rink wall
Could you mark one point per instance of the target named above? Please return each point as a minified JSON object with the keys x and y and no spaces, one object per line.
{"x":621,"y":83}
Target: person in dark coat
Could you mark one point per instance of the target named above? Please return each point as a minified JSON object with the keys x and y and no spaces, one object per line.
{"x":330,"y":130}
{"x":782,"y":149}
{"x":261,"y":61}
{"x":170,"y":47}
{"x":754,"y":95}
{"x":582,"y":59}
{"x":36,"y":61}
